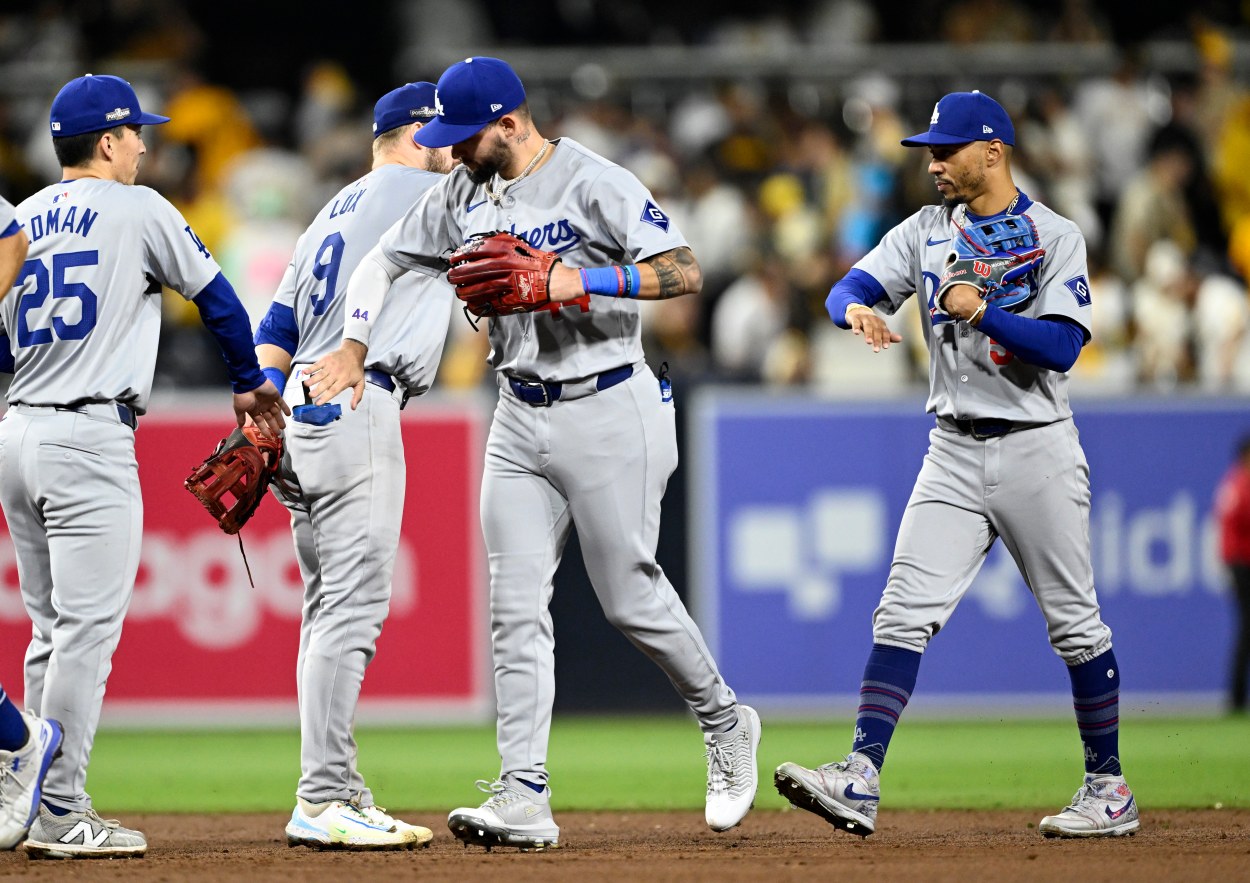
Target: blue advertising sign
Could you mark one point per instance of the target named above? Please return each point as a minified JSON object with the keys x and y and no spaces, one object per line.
{"x":796,"y":502}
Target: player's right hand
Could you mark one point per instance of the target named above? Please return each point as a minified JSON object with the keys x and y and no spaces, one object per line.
{"x":265,"y":406}
{"x":336,"y":371}
{"x":876,"y":333}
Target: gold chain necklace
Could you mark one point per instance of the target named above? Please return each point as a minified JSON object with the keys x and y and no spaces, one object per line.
{"x":504,"y":185}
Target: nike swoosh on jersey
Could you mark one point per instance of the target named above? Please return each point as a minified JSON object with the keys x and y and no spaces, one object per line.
{"x":851,"y":794}
{"x":471,"y":206}
{"x":936,"y":241}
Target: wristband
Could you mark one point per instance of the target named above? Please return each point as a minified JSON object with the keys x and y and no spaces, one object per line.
{"x":855,"y":305}
{"x":278,"y":378}
{"x":976,"y":314}
{"x":617,"y":280}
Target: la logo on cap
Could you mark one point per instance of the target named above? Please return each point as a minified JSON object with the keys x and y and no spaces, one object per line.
{"x":933,"y":119}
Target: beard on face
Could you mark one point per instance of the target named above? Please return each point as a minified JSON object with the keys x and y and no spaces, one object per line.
{"x":492,"y":163}
{"x":439,"y":162}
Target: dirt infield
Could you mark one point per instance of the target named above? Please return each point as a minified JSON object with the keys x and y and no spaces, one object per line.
{"x":1206,"y":845}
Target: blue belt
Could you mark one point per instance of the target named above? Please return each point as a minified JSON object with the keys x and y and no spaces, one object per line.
{"x":125,"y":413}
{"x":540,"y":394}
{"x":380,"y":378}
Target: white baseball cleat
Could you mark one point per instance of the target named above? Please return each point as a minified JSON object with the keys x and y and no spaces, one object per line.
{"x":21,"y":778}
{"x":844,"y":794}
{"x":514,"y":815}
{"x":339,"y":824}
{"x":82,"y":834}
{"x":419,"y":835}
{"x":732,"y":776}
{"x":1103,"y":807}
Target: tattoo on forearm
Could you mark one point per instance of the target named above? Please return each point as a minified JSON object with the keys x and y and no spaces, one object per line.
{"x":672,"y":269}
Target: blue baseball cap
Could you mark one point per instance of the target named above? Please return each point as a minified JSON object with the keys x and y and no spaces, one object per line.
{"x":961,"y":117}
{"x":410,"y":103}
{"x":96,"y":102}
{"x":471,"y":94}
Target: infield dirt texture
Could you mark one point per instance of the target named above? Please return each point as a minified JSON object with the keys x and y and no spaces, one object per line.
{"x":771,"y":845}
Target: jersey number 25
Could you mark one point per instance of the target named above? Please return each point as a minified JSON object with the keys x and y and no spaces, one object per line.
{"x":59,"y":288}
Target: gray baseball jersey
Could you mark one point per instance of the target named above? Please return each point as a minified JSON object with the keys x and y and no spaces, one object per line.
{"x":969,"y":375}
{"x":344,"y":481}
{"x":84,"y":318}
{"x":588,"y":210}
{"x":598,"y":457}
{"x":409,"y":334}
{"x":7,"y":214}
{"x":1030,"y":487}
{"x":83,"y":323}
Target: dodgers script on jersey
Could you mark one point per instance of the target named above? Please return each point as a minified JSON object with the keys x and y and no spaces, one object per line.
{"x":407,"y":342}
{"x":72,"y":342}
{"x":971,"y":377}
{"x":588,"y":210}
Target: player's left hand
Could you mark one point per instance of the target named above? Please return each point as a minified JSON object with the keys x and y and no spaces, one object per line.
{"x":337,"y":371}
{"x":265,"y":406}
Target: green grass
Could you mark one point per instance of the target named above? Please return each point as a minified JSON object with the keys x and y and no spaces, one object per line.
{"x":657,"y":763}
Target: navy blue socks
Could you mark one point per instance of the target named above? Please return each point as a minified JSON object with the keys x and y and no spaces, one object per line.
{"x":13,"y":731}
{"x":889,"y":678}
{"x":1096,"y":699}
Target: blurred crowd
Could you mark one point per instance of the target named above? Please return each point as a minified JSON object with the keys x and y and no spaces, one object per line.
{"x":779,"y":189}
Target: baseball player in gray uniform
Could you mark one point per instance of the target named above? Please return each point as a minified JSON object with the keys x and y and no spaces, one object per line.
{"x":82,"y":326}
{"x":27,"y":742}
{"x":583,"y":434}
{"x":1004,"y":459}
{"x":343,"y":478}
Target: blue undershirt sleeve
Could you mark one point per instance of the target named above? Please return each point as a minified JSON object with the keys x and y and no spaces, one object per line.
{"x":227,"y":321}
{"x":856,"y":287}
{"x":1052,"y":343}
{"x":279,"y":328}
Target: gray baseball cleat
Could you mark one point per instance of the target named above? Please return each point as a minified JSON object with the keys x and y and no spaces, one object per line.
{"x":844,"y":794}
{"x":732,"y":774}
{"x":82,"y":834}
{"x":1103,"y":807}
{"x":514,"y":815}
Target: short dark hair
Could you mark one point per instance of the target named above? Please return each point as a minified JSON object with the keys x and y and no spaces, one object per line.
{"x":78,"y":150}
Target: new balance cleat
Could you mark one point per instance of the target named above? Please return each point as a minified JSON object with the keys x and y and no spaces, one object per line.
{"x":1103,"y":807}
{"x":82,"y":834}
{"x":844,"y":794}
{"x":419,"y":835}
{"x":21,"y":778}
{"x":732,"y":775}
{"x":338,"y":824}
{"x":514,"y":815}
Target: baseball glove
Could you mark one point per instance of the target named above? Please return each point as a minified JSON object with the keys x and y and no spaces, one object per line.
{"x":999,"y":257}
{"x":1004,"y":278}
{"x":498,"y":274}
{"x":242,"y":467}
